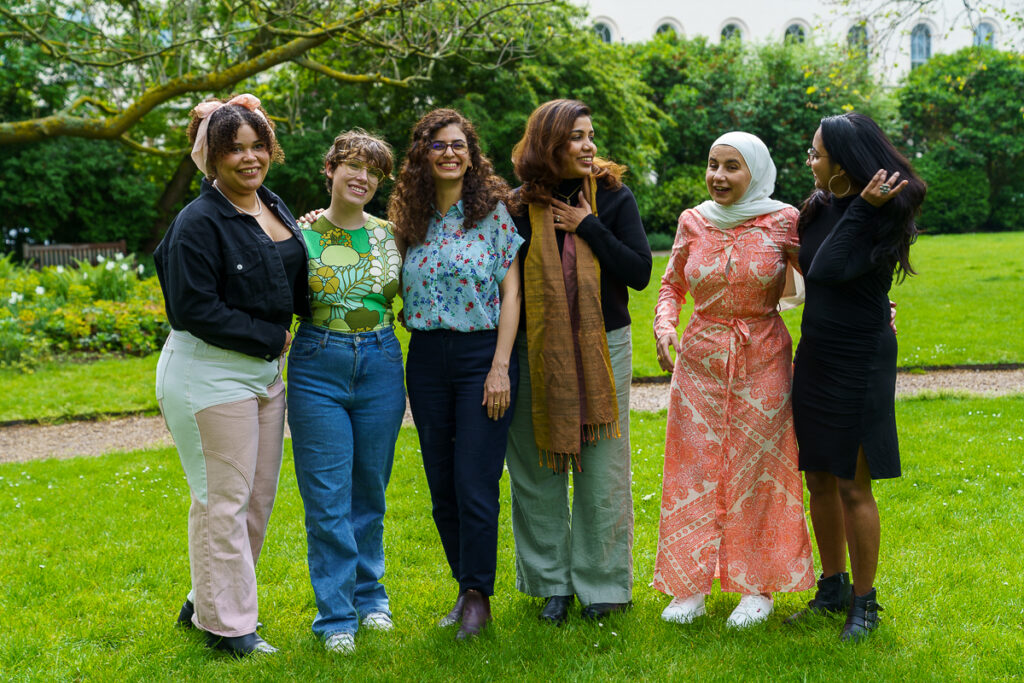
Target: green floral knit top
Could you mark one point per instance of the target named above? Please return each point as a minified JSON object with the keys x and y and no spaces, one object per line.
{"x":353,"y":274}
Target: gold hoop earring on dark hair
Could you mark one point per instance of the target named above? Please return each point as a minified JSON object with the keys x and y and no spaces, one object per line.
{"x":849,"y":186}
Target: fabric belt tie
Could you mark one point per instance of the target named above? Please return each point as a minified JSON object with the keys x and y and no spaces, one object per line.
{"x":737,"y":365}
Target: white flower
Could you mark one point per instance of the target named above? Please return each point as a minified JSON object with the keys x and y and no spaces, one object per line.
{"x":141,"y":269}
{"x":110,"y":265}
{"x":124,"y":267}
{"x":15,"y":298}
{"x":119,"y":256}
{"x":85,"y":276}
{"x":40,"y":290}
{"x":60,"y":269}
{"x":100,"y":259}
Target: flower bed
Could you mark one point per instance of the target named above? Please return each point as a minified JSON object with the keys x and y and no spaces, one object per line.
{"x":104,"y":308}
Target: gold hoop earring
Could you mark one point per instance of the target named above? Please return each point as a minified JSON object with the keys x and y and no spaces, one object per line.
{"x":849,"y":186}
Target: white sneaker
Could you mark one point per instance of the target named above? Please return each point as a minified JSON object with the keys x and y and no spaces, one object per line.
{"x":684,"y":610}
{"x":341,"y":642}
{"x":751,"y":610}
{"x":378,"y":621}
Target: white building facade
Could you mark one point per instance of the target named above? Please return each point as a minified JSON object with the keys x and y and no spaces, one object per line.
{"x":945,"y":26}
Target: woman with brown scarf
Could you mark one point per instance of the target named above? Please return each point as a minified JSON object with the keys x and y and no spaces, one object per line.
{"x":585,"y":244}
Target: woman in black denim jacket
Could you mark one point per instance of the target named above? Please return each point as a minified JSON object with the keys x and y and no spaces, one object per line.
{"x":232,"y":267}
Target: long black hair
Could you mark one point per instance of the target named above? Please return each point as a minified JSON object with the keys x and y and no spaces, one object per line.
{"x":858,"y":145}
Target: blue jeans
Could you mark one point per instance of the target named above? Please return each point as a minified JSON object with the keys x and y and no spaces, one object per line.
{"x":463,"y":449}
{"x":346,"y":401}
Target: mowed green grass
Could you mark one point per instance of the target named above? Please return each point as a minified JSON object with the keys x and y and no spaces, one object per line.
{"x":963,"y":307}
{"x":93,"y":568}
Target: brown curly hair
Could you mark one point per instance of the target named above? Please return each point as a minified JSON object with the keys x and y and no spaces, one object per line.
{"x":411,"y":205}
{"x":537,"y":158}
{"x":358,"y":143}
{"x":224,"y":123}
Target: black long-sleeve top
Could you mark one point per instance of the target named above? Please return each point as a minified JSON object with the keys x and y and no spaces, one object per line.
{"x":847,"y":289}
{"x":617,"y":238}
{"x":224,"y":279}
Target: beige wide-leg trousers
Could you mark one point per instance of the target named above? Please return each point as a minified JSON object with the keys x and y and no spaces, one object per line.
{"x":225,"y":412}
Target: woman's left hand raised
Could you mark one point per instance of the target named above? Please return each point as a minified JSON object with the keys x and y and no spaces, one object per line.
{"x":568,"y":218}
{"x":882,"y":188}
{"x":497,"y":393}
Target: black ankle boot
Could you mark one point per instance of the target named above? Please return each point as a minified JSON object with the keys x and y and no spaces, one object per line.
{"x":833,"y":595}
{"x":862,"y":617}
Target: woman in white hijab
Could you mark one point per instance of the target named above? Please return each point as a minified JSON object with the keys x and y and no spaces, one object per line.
{"x":732,"y":502}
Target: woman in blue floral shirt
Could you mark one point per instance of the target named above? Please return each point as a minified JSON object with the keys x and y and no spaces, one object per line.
{"x":345,"y":394}
{"x":461,"y":292}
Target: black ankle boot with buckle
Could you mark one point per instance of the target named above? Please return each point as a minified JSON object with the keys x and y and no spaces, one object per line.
{"x":862,"y":617}
{"x":832,"y":596}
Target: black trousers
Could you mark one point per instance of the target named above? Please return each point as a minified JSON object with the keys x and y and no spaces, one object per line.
{"x":463,"y":450}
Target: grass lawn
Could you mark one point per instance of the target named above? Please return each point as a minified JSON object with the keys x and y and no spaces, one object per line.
{"x":93,"y":567}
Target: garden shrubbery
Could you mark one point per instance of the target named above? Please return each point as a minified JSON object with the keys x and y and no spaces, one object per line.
{"x":104,"y":308}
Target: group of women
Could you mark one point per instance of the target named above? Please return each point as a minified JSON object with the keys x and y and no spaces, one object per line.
{"x":520,"y":355}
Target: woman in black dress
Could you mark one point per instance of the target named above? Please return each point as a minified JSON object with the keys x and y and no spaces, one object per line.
{"x":855,"y":230}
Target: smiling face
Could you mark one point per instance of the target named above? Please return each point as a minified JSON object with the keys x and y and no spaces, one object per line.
{"x":354,"y":181}
{"x":577,"y":155}
{"x":727,"y":175}
{"x":824,"y":169}
{"x":241,"y":170}
{"x":449,"y":164}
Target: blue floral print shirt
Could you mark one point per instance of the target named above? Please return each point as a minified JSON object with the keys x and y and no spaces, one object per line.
{"x":451,"y":280}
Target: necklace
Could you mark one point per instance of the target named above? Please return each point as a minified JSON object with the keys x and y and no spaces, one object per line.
{"x":254,"y":214}
{"x":567,"y":198}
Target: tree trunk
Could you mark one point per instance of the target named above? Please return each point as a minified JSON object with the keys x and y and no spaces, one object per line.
{"x":170,"y":201}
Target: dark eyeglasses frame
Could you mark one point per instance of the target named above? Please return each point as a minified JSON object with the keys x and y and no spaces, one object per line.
{"x":458,"y":146}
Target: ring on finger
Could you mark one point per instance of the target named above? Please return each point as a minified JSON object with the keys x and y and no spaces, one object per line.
{"x":884,"y":188}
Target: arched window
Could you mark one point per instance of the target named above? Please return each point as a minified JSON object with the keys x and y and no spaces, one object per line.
{"x":732,"y":32}
{"x":666,"y":28}
{"x":603,"y":31}
{"x":985,"y":35}
{"x":795,"y":33}
{"x":920,"y":45}
{"x":857,"y":39}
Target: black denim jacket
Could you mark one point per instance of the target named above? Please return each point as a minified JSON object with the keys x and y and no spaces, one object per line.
{"x":223,"y":279}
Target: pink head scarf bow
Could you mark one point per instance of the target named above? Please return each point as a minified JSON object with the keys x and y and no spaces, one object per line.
{"x":200,"y":150}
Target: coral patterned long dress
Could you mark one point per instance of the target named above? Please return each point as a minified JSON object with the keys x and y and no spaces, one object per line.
{"x":732,"y":499}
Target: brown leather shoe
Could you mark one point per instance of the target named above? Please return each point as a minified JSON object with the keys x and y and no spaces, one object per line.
{"x":476,"y":612}
{"x":455,"y":616}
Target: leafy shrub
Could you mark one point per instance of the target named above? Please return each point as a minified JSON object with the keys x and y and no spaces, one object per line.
{"x":670,"y":197}
{"x":104,"y":308}
{"x":961,"y":106}
{"x":958,"y":194}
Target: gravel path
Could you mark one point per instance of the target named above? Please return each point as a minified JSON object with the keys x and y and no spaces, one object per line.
{"x":31,"y":442}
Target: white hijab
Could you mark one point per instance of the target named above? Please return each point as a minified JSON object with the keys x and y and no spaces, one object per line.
{"x":756,"y":200}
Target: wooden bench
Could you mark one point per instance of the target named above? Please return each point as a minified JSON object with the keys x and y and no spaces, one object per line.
{"x":41,"y":255}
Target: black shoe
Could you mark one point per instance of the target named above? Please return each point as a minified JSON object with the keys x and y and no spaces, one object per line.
{"x":832,"y":596}
{"x":185,"y":615}
{"x":599,"y":610}
{"x":556,"y":609}
{"x":239,"y":646}
{"x":862,"y":617}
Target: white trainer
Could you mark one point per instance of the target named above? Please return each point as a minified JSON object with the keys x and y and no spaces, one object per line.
{"x":341,"y":642}
{"x":751,"y":610}
{"x":684,"y":610}
{"x":378,"y":621}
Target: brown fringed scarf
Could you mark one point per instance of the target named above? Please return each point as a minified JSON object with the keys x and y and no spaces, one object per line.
{"x":573,"y":386}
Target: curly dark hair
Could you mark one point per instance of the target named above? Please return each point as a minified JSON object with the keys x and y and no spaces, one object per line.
{"x":537,"y":159}
{"x":411,"y":204}
{"x":224,"y":123}
{"x":358,"y":143}
{"x":860,"y":147}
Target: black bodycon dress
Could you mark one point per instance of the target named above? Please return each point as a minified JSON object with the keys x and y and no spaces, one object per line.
{"x":844,"y":379}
